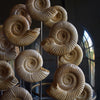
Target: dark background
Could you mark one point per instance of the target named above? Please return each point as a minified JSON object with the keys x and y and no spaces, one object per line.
{"x":85,"y":12}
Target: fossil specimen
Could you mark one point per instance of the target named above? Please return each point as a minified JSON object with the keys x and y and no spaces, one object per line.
{"x":69,"y":82}
{"x":87,"y":93}
{"x":7,"y":78}
{"x":20,"y":9}
{"x":17,"y":30}
{"x":28,"y":66}
{"x":7,"y":50}
{"x":16,"y":93}
{"x":74,"y":57}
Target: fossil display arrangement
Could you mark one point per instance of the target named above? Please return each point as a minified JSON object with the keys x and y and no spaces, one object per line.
{"x":69,"y":80}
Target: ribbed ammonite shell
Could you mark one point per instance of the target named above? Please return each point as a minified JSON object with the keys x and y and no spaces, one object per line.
{"x":87,"y":93}
{"x":64,"y":33}
{"x":60,"y":15}
{"x":74,"y":57}
{"x":17,"y":30}
{"x":20,"y":9}
{"x":7,"y":50}
{"x":16,"y":93}
{"x":28,"y":66}
{"x":69,"y":82}
{"x":50,"y":46}
{"x":7,"y":78}
{"x":38,"y":9}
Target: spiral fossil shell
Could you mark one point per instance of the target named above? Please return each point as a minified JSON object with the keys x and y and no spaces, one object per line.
{"x":40,"y":9}
{"x":17,"y":31}
{"x":69,"y":82}
{"x":28,"y":66}
{"x":87,"y":93}
{"x":50,"y":46}
{"x":61,"y":15}
{"x":64,"y":33}
{"x":74,"y":57}
{"x":20,"y":9}
{"x":7,"y":78}
{"x":7,"y":50}
{"x":16,"y":93}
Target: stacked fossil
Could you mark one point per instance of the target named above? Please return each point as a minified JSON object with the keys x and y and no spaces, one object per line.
{"x":69,"y":80}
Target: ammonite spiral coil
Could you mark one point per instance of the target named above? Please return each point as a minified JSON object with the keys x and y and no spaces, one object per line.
{"x":74,"y":57}
{"x":17,"y":30}
{"x":87,"y":93}
{"x":60,"y":15}
{"x":20,"y":9}
{"x":69,"y":82}
{"x":50,"y":46}
{"x":16,"y":93}
{"x":7,"y":50}
{"x":38,"y":9}
{"x":7,"y":78}
{"x":28,"y":66}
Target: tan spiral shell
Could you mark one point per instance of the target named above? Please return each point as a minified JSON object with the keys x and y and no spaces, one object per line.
{"x":7,"y":50}
{"x":39,"y":9}
{"x":28,"y":66}
{"x":16,"y":93}
{"x":60,"y":15}
{"x":69,"y":82}
{"x":17,"y":31}
{"x":64,"y":33}
{"x":74,"y":57}
{"x":7,"y":78}
{"x":87,"y":93}
{"x":20,"y":9}
{"x":50,"y":46}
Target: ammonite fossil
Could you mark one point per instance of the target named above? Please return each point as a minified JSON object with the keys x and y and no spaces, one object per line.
{"x":87,"y":93}
{"x":28,"y":66}
{"x":74,"y":57}
{"x":7,"y":50}
{"x":60,"y":15}
{"x":69,"y":82}
{"x":17,"y":30}
{"x":7,"y":78}
{"x":39,"y":9}
{"x":50,"y":46}
{"x":64,"y":33}
{"x":16,"y":93}
{"x":20,"y":9}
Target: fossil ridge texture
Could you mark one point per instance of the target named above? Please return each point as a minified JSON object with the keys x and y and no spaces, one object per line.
{"x":87,"y":93}
{"x":69,"y":82}
{"x":7,"y":77}
{"x":28,"y":66}
{"x":17,"y":31}
{"x":74,"y":57}
{"x":62,"y":39}
{"x":7,"y":50}
{"x":16,"y":93}
{"x":20,"y":9}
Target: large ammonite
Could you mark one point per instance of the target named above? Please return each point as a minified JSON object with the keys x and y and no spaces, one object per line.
{"x":87,"y":93}
{"x":7,"y":78}
{"x":16,"y":93}
{"x":50,"y":46}
{"x":28,"y":66}
{"x":20,"y":9}
{"x":74,"y":57}
{"x":17,"y":30}
{"x":69,"y":82}
{"x":60,"y":15}
{"x":7,"y":50}
{"x":64,"y":33}
{"x":39,"y":9}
